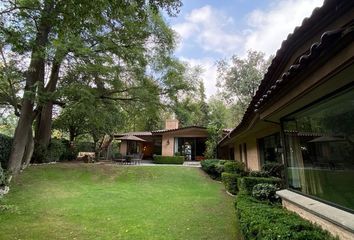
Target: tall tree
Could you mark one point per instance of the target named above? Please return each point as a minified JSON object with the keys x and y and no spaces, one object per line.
{"x":238,"y":80}
{"x":55,"y":35}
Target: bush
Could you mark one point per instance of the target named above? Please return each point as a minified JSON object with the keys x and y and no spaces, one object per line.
{"x":236,"y":167}
{"x":85,"y":146}
{"x":274,"y":169}
{"x":2,"y":177}
{"x":213,"y":167}
{"x":230,"y":182}
{"x":246,"y":184}
{"x":70,"y":152}
{"x":168,"y":159}
{"x":259,"y":174}
{"x":5,"y":149}
{"x":56,"y":149}
{"x":261,"y":220}
{"x":265,"y":192}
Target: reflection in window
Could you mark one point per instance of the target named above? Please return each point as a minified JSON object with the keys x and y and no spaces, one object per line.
{"x":192,"y":148}
{"x":270,"y":149}
{"x":320,"y":150}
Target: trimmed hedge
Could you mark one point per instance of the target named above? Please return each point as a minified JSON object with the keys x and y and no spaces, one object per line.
{"x":246,"y":184}
{"x":265,"y":192}
{"x":230,"y":182}
{"x":5,"y":149}
{"x":274,"y":169}
{"x":260,"y":220}
{"x":168,"y":159}
{"x":259,"y":174}
{"x":235,"y":167}
{"x":213,"y":167}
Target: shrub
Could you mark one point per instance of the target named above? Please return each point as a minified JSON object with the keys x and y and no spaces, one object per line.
{"x":274,"y":169}
{"x":259,"y":174}
{"x":265,"y":192}
{"x":40,"y":154}
{"x":234,"y":167}
{"x":213,"y":167}
{"x":168,"y":159}
{"x":261,"y":220}
{"x":56,"y":149}
{"x":70,"y":152}
{"x":85,"y":146}
{"x":230,"y":182}
{"x":246,"y":184}
{"x":2,"y":177}
{"x":5,"y":149}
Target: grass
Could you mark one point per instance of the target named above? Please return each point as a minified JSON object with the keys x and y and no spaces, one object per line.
{"x":85,"y":201}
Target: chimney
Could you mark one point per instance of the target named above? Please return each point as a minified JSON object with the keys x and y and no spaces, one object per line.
{"x":171,"y":124}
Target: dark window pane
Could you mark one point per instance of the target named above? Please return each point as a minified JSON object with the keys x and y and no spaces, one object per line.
{"x":320,"y":150}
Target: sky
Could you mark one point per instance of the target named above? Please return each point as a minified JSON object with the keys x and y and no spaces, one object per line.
{"x":211,"y":30}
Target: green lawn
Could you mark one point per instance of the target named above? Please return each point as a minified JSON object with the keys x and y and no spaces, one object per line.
{"x":85,"y":201}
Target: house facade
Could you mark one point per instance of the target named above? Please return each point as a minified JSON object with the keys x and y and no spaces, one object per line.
{"x":173,"y":140}
{"x":303,"y":116}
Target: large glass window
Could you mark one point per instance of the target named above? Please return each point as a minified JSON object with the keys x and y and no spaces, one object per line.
{"x":320,"y":150}
{"x":269,"y":148}
{"x":192,"y":148}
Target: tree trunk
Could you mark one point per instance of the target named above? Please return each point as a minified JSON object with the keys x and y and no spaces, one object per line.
{"x":29,"y":150}
{"x":35,"y":74}
{"x":44,"y":119}
{"x":24,"y":125}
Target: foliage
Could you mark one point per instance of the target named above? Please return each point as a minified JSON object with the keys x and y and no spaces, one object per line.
{"x":191,"y":108}
{"x":274,"y":169}
{"x":168,"y":159}
{"x":215,"y":131}
{"x":221,"y":111}
{"x":8,"y":124}
{"x":5,"y":149}
{"x":213,"y":167}
{"x":246,"y":184}
{"x":262,"y":173}
{"x":265,"y":192}
{"x":230,"y":181}
{"x":236,"y":167}
{"x":260,"y":220}
{"x":2,"y":177}
{"x":239,"y":80}
{"x":56,"y":150}
{"x":85,"y":55}
{"x":87,"y":146}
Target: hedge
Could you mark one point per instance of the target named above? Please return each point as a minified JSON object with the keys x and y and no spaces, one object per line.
{"x":5,"y":149}
{"x":246,"y":184}
{"x":260,"y":220}
{"x":230,"y":182}
{"x":168,"y":159}
{"x":213,"y":167}
{"x":235,"y":167}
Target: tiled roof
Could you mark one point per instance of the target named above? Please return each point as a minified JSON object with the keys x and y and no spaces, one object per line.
{"x":176,"y":129}
{"x":133,"y":134}
{"x":269,"y":85}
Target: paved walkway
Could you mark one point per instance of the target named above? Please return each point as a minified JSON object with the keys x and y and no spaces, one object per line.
{"x":150,"y":163}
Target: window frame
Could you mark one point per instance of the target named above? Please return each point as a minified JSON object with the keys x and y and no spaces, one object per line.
{"x":342,"y":90}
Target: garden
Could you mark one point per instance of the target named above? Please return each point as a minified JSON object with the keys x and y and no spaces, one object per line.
{"x":258,"y":208}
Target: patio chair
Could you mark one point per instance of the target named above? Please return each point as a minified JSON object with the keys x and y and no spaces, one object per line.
{"x":137,"y":158}
{"x":118,"y":158}
{"x":128,"y":159}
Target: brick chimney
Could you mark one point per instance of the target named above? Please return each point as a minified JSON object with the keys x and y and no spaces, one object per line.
{"x":171,"y":124}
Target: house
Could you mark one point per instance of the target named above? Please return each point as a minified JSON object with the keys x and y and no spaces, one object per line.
{"x":188,"y":141}
{"x":303,"y":116}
